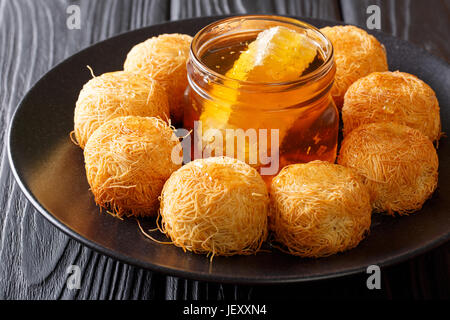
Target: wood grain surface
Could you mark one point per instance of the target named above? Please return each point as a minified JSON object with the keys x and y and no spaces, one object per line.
{"x":34,"y":255}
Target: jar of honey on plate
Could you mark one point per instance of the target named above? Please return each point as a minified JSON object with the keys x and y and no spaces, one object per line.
{"x":259,"y":91}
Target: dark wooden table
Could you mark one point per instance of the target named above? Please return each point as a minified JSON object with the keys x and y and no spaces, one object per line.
{"x":34,"y":255}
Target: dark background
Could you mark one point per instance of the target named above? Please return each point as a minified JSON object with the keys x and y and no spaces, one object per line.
{"x":34,"y":255}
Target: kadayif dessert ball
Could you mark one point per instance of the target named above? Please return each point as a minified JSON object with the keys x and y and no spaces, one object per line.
{"x":319,"y":209}
{"x":128,"y":160}
{"x":397,"y":163}
{"x":392,"y":97}
{"x":356,"y":54}
{"x":164,"y":59}
{"x":215,"y":206}
{"x":117,"y":94}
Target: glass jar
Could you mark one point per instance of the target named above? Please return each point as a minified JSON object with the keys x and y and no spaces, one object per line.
{"x":245,"y":119}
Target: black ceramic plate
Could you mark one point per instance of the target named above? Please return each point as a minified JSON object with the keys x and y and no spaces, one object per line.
{"x":49,"y":169}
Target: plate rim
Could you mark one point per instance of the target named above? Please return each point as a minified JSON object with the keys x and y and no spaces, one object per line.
{"x":167,"y":271}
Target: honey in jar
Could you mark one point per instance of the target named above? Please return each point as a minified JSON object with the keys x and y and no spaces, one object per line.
{"x":259,"y":90}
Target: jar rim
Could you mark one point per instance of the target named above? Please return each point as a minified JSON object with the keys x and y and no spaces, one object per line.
{"x":317,"y":73}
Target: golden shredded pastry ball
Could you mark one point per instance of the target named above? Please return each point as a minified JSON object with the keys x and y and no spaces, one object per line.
{"x":356,"y":54}
{"x":392,"y":97}
{"x":217,"y":206}
{"x":164,"y":59}
{"x":319,"y":209}
{"x":117,"y":94}
{"x":398,"y":164}
{"x":128,"y":160}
